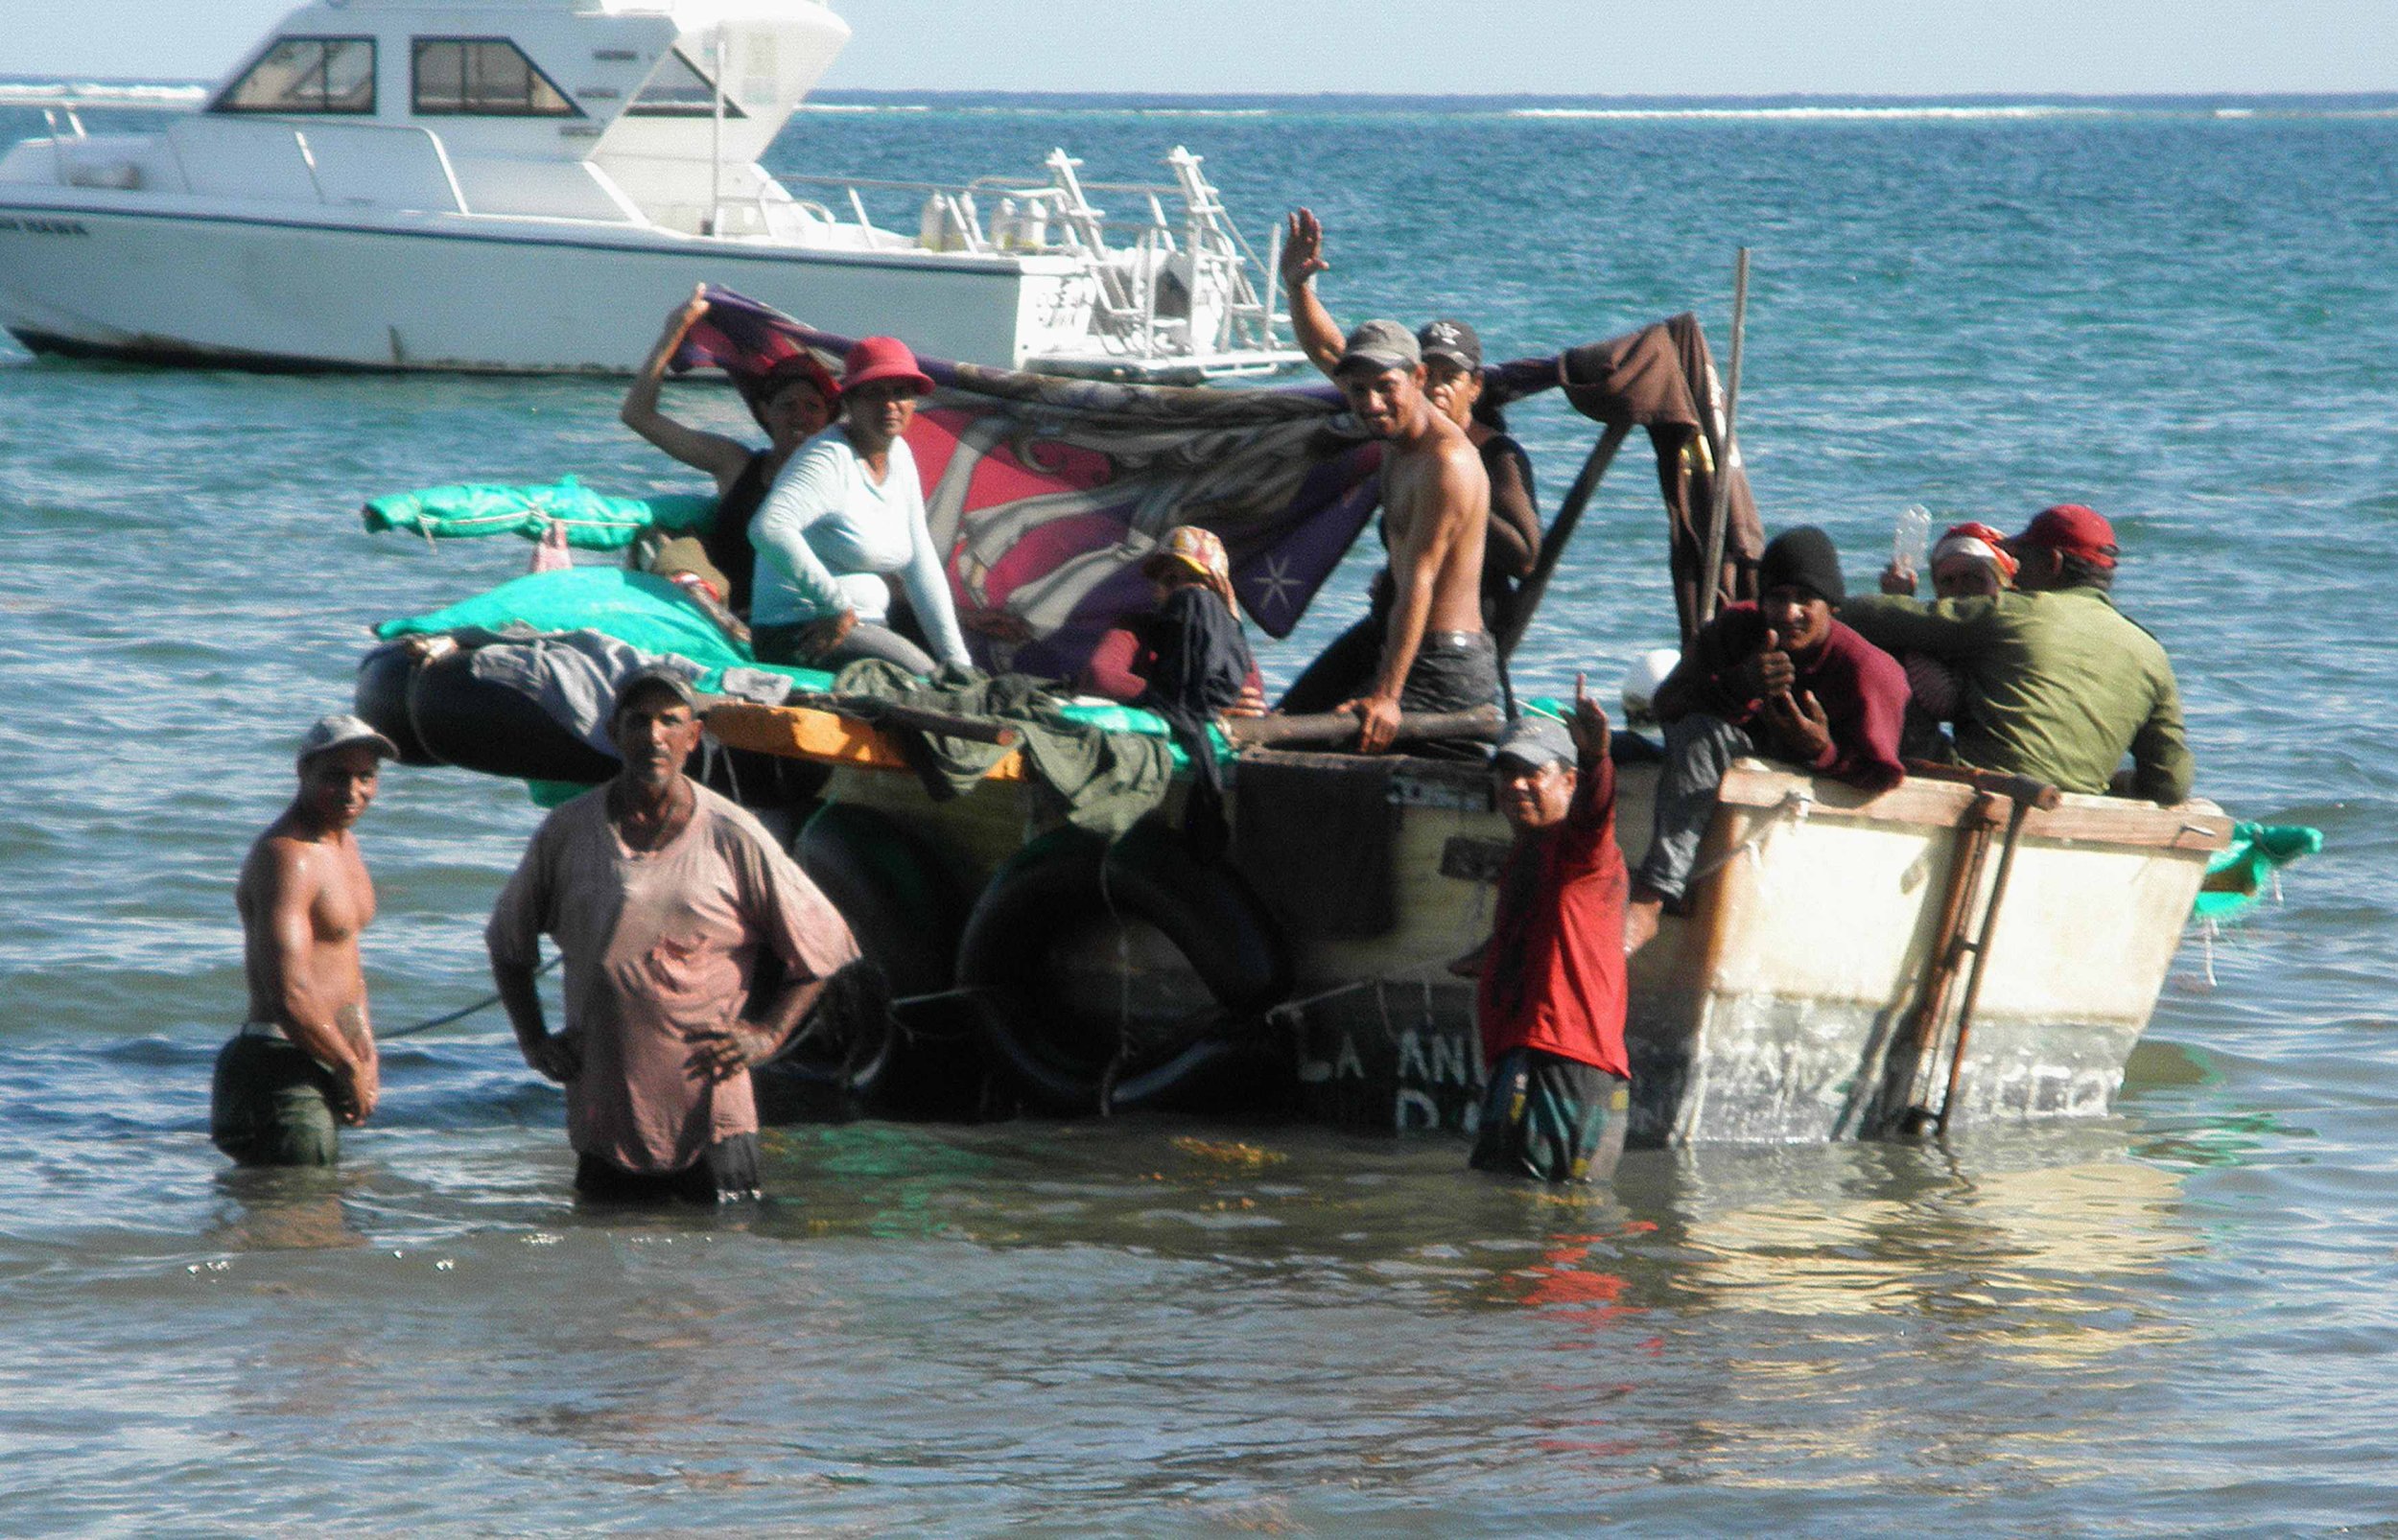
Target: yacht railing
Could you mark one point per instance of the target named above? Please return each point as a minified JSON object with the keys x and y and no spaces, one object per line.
{"x":1135,"y":262}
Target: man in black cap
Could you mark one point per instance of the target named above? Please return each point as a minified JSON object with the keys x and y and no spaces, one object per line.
{"x":661,"y":896}
{"x":305,"y":1060}
{"x":1778,"y":678}
{"x":1550,"y":1001}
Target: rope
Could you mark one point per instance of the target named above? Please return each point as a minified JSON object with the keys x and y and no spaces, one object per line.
{"x":1799,"y":805}
{"x":461,"y":1014}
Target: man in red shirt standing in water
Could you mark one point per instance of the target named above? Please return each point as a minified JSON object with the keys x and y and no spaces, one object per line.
{"x":1551,"y":995}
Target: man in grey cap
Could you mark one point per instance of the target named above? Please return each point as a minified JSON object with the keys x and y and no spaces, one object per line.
{"x":1550,"y":1002}
{"x":1424,"y":646}
{"x":663,"y":897}
{"x":304,"y":1062}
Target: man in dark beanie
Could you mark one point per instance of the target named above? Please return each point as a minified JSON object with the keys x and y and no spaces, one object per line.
{"x":1778,"y":678}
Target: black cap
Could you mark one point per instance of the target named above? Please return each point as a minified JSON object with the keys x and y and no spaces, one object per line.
{"x":1452,"y":340}
{"x":1805,"y":558}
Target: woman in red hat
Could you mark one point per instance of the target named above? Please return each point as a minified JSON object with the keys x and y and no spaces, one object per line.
{"x":792,"y":400}
{"x":847,"y":513}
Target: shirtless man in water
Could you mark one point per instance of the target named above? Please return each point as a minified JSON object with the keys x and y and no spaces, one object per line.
{"x":306,"y":1054}
{"x":1436,"y":502}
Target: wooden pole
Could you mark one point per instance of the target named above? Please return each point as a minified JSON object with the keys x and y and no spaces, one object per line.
{"x":1536,"y":583}
{"x":1726,"y":453}
{"x":1340,"y":727}
{"x":1981,"y":960}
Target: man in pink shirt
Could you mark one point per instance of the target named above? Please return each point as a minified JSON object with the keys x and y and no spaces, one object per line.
{"x":662,"y":895}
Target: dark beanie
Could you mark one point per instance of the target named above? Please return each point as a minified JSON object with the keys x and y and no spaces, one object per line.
{"x":1801,"y":558}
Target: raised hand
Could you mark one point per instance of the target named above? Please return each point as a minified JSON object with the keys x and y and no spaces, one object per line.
{"x":1770,"y":672}
{"x":1587,"y":726}
{"x":1899,"y":580}
{"x":1801,"y":723}
{"x":1302,"y":248}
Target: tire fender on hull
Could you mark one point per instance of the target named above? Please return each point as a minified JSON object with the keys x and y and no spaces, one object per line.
{"x":1071,"y":881}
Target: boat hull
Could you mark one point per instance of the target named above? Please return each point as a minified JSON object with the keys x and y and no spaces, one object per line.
{"x":95,"y":275}
{"x":1783,"y":1009}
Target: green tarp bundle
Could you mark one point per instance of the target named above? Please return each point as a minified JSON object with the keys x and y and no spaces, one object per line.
{"x":2237,"y":875}
{"x":592,"y":520}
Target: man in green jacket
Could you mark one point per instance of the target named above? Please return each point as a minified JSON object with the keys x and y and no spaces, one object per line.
{"x":2058,"y":684}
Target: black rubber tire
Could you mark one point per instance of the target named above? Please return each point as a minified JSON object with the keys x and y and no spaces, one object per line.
{"x":1070,"y":881}
{"x":894,"y":889}
{"x":438,"y":712}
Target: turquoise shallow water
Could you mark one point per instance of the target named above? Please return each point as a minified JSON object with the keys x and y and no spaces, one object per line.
{"x":2174,"y":1320}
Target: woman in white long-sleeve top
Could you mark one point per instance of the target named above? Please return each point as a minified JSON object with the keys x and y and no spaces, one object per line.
{"x":847,"y":510}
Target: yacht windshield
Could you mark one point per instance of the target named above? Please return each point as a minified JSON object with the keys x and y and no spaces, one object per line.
{"x":307,"y":75}
{"x":483,"y":77}
{"x":677,"y":89}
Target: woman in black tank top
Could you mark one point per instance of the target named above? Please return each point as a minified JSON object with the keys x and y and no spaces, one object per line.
{"x":792,"y":400}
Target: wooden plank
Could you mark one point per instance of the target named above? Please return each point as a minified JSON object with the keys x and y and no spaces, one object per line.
{"x":826,"y":737}
{"x":2194,"y":825}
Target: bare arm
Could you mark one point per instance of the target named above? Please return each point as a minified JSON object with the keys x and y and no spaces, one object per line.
{"x":719,"y":456}
{"x":1311,"y":325}
{"x":1417,"y":555}
{"x":553,"y":1057}
{"x":329,"y":1031}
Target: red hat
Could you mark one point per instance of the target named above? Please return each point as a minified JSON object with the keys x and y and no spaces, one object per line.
{"x":757,"y":390}
{"x":883,"y":358}
{"x":2071,"y":529}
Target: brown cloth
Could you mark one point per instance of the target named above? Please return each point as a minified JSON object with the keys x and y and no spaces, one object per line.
{"x":660,"y":945}
{"x":1663,"y":377}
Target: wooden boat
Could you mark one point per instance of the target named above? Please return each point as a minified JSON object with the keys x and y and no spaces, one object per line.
{"x":1945,"y":952}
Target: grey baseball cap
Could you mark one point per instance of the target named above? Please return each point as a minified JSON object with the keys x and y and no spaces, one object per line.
{"x":1378,"y":345}
{"x":1535,"y":741}
{"x":658,"y":675}
{"x":338,"y":731}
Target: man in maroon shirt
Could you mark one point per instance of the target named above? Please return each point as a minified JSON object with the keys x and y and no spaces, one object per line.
{"x":1779,"y":678}
{"x":1551,"y":995}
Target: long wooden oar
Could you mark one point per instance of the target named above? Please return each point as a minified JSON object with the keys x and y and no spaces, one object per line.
{"x":1727,"y":452}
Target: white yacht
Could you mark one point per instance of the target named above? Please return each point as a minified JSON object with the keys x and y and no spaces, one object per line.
{"x":529,"y":185}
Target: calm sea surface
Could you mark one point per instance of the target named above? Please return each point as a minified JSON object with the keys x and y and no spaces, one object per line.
{"x":2176,"y":1319}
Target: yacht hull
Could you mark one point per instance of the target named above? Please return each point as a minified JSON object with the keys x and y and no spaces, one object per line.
{"x":479,"y":293}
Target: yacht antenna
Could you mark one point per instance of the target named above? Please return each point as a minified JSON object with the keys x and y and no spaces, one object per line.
{"x":715,"y":138}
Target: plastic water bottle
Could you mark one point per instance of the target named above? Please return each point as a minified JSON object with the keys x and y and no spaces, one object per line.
{"x":1909,"y":536}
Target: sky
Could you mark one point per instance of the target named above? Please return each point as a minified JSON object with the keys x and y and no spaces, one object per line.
{"x":1471,"y":47}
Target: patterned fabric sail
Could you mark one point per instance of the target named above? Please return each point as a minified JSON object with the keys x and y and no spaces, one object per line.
{"x":1047,"y":493}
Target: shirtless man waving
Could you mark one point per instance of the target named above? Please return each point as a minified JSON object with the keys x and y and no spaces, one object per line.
{"x":1436,"y":502}
{"x":306,"y":1054}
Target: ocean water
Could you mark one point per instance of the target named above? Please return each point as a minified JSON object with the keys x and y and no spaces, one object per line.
{"x":2175,"y":1319}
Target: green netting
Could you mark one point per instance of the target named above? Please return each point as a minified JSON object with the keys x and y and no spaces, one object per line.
{"x":592,"y":520}
{"x":2237,"y":875}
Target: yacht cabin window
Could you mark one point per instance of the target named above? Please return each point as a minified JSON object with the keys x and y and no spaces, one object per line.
{"x":677,"y":89}
{"x":307,"y":75}
{"x":482,"y":77}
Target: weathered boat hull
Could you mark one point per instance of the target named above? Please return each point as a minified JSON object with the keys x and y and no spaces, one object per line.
{"x":1783,"y":1008}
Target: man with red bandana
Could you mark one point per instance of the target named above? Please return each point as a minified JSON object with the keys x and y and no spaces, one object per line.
{"x":2059,"y":685}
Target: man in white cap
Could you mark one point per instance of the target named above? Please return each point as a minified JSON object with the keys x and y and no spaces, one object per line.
{"x":305,"y":1060}
{"x":1550,"y":1003}
{"x":663,"y":897}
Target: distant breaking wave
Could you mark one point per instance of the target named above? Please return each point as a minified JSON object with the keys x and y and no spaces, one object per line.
{"x":1871,"y":114}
